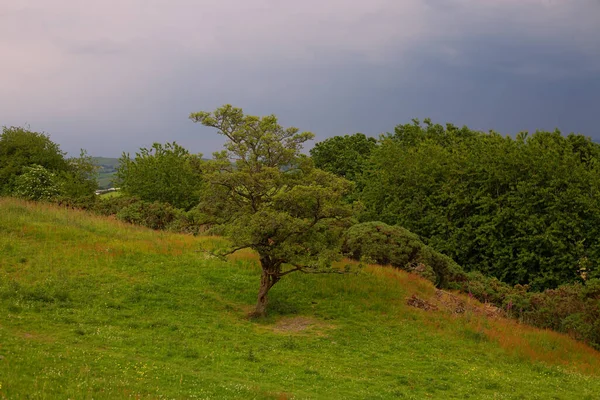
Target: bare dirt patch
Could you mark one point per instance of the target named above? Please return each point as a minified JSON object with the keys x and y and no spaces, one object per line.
{"x":299,"y":325}
{"x":34,"y":336}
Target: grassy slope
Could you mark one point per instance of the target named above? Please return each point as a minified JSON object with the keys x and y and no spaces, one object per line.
{"x":109,"y":195}
{"x":92,"y":308}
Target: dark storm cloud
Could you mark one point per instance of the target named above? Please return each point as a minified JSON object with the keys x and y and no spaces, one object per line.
{"x":115,"y":76}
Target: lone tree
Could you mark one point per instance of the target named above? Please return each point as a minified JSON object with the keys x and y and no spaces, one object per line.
{"x":265,"y":195}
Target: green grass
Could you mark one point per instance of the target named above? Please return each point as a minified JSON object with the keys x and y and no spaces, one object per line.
{"x":110,"y":195}
{"x":93,"y":308}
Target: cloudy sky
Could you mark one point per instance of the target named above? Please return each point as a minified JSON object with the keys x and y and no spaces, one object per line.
{"x":115,"y":75}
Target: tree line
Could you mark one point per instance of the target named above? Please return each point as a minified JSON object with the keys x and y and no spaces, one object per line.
{"x":525,"y":210}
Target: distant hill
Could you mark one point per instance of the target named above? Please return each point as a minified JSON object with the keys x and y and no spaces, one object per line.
{"x":106,"y":161}
{"x":108,"y":168}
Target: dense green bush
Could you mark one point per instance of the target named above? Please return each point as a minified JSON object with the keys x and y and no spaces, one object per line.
{"x":21,"y":148}
{"x":151,"y":215}
{"x":37,"y":183}
{"x":343,"y":155}
{"x":164,"y":173}
{"x":79,"y":180}
{"x":191,"y":222}
{"x":525,"y":210}
{"x":112,"y":205}
{"x":383,"y":244}
{"x":34,"y":167}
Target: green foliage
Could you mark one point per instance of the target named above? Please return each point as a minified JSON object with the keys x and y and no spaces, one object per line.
{"x":571,"y":308}
{"x":165,"y":173}
{"x":21,"y":148}
{"x":79,"y":180}
{"x":37,"y":183}
{"x":29,"y":158}
{"x":108,"y":206}
{"x":377,"y":242}
{"x":344,"y":155}
{"x":188,"y":222}
{"x":524,"y":210}
{"x":156,"y":215}
{"x":488,"y":289}
{"x":151,"y":215}
{"x":270,"y":198}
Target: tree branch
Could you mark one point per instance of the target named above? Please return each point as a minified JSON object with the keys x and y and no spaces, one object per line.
{"x":223,"y":256}
{"x":304,"y":268}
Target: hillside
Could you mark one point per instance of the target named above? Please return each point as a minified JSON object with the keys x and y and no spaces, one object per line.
{"x":94,"y":308}
{"x":108,"y":167}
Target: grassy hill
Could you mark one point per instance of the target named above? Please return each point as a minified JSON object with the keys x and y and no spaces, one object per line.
{"x":93,"y":308}
{"x":108,"y":168}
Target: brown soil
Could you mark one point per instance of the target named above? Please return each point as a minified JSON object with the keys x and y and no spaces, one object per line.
{"x":299,"y":325}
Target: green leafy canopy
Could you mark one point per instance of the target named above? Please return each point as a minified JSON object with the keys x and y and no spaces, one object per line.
{"x":265,"y":195}
{"x":522,"y":209}
{"x":165,"y":173}
{"x":27,"y":157}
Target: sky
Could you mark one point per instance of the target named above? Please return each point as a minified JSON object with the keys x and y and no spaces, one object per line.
{"x":116,"y":75}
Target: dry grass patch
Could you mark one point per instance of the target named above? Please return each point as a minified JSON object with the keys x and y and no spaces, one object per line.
{"x":301,"y":325}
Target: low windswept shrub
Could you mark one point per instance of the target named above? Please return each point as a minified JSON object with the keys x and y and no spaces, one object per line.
{"x":383,"y":244}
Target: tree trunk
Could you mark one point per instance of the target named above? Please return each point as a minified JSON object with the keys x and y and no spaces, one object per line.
{"x":268,"y":278}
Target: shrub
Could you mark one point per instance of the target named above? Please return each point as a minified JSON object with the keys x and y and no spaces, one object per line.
{"x":20,"y":148}
{"x":87,"y":202}
{"x":393,"y":245}
{"x":34,"y":167}
{"x":191,"y":222}
{"x":151,"y":215}
{"x":154,"y":215}
{"x":112,"y":205}
{"x":37,"y":183}
{"x":573,"y":309}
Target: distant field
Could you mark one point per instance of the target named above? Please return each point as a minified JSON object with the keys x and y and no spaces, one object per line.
{"x":105,"y":180}
{"x":94,"y":308}
{"x":108,"y":167}
{"x":111,"y":194}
